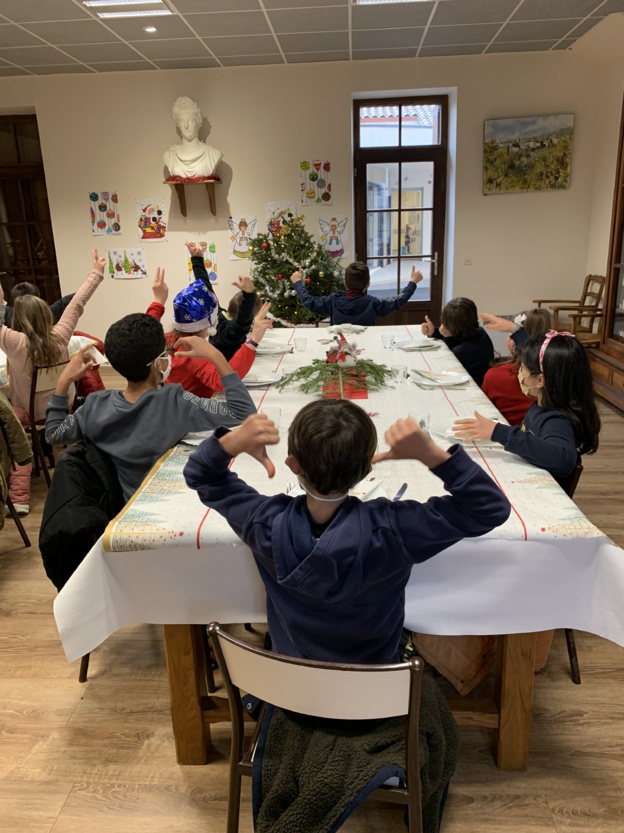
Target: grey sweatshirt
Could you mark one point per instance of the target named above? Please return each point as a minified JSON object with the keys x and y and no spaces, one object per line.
{"x":136,"y":435}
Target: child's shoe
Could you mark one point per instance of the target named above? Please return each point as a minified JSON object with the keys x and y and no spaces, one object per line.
{"x":22,"y":508}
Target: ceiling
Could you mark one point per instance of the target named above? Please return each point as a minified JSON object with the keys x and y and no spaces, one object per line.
{"x":46,"y":37}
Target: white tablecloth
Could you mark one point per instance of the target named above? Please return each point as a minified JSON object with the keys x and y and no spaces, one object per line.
{"x":172,"y":561}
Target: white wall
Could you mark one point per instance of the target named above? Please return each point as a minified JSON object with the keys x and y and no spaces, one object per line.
{"x":109,"y":131}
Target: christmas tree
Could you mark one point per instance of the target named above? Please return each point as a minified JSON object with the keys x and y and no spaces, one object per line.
{"x":276,"y":255}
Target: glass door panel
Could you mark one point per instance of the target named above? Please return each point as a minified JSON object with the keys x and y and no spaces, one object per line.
{"x":383,"y":277}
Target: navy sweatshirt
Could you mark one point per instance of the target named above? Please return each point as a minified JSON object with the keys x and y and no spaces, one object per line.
{"x":341,"y":597}
{"x":353,"y":309}
{"x":476,"y":353}
{"x":545,"y":439}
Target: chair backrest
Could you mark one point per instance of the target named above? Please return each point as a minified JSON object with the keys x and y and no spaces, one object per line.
{"x":593,"y":289}
{"x":44,"y":379}
{"x":569,"y":486}
{"x":331,"y":690}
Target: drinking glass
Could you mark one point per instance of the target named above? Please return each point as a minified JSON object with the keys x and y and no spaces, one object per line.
{"x":421,"y":419}
{"x":387,"y":341}
{"x":300,"y":344}
{"x":399,"y":373}
{"x":274,"y":414}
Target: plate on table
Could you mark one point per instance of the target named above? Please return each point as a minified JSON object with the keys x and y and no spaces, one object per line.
{"x":261,"y":380}
{"x":411,"y":345}
{"x":346,"y":329}
{"x":273,"y":349}
{"x":444,"y":431}
{"x":438,"y":378}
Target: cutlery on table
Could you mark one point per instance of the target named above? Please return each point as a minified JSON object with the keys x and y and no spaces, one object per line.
{"x":401,"y":492}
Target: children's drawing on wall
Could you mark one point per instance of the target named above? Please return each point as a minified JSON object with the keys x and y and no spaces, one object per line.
{"x":277,"y":211}
{"x":333,"y":235}
{"x":316,"y":182}
{"x":209,"y":250}
{"x":104,"y":212}
{"x":126,"y":264}
{"x":152,"y":220}
{"x":242,"y":232}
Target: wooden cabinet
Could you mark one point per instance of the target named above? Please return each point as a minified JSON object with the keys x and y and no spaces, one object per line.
{"x":607,"y":362}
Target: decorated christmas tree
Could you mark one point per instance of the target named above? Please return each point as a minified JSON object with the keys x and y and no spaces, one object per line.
{"x":276,"y":255}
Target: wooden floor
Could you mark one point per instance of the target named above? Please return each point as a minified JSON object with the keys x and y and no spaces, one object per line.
{"x":99,"y":757}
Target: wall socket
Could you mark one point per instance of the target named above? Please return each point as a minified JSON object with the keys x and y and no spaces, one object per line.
{"x":467,"y":261}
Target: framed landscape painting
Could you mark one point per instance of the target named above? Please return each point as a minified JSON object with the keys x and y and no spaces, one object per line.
{"x":527,"y":154}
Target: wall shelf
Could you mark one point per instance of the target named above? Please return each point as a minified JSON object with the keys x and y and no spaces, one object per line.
{"x":210,"y":188}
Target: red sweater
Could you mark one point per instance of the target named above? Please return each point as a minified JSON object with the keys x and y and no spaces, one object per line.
{"x":502,"y":388}
{"x":199,"y":376}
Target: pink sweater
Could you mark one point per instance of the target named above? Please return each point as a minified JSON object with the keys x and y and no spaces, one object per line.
{"x":15,"y":345}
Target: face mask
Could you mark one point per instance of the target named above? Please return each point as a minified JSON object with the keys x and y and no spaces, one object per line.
{"x":525,"y":390}
{"x":323,"y":499}
{"x":164,"y":374}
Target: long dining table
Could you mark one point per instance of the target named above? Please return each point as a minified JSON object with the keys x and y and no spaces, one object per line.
{"x":168,"y":560}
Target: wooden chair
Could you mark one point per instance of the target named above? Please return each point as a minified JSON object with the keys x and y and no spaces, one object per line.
{"x":44,"y":379}
{"x":569,"y":488}
{"x":18,"y":522}
{"x":582,"y":312}
{"x":322,"y":689}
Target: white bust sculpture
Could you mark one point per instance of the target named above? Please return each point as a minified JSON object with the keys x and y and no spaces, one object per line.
{"x":191,"y":157}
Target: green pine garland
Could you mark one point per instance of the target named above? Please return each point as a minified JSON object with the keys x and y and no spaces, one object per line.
{"x":313,"y":378}
{"x":282,"y":253}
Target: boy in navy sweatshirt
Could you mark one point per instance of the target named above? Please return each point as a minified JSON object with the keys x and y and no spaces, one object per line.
{"x":354,"y":305}
{"x":335,"y":568}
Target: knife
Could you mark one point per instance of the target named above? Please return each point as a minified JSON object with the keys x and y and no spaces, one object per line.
{"x":401,"y":492}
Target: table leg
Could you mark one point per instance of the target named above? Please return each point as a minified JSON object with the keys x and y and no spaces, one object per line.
{"x":185,"y":668}
{"x":514,"y":693}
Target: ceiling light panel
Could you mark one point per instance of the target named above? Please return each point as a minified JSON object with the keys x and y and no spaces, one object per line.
{"x":137,"y":13}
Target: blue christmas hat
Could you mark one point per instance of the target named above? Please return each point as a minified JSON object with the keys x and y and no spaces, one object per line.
{"x":195,"y":308}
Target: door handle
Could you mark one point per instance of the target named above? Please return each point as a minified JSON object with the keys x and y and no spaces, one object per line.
{"x":433,"y":260}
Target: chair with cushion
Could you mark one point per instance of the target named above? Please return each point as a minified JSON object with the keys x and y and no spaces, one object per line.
{"x":325,"y":690}
{"x":581,"y":313}
{"x":44,"y":379}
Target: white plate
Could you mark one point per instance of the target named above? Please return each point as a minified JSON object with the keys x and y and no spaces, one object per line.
{"x":273,"y":349}
{"x":438,"y":378}
{"x":445,"y":433}
{"x":260,"y":380}
{"x":346,"y":329}
{"x":412,"y":345}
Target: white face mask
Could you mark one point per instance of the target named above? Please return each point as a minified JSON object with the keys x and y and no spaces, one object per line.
{"x":164,"y":374}
{"x":323,"y":499}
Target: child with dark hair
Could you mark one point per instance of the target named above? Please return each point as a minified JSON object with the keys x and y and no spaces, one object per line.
{"x":354,"y":305}
{"x":26,"y":288}
{"x":460,"y":331}
{"x":501,"y":385}
{"x":335,"y":568}
{"x":136,"y":426}
{"x":231,"y":329}
{"x":563,"y":423}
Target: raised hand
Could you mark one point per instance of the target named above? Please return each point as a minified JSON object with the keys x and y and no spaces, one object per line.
{"x":244,"y":283}
{"x":98,"y":262}
{"x":252,"y":437}
{"x":75,"y":369}
{"x":195,"y":347}
{"x":296,"y":276}
{"x":479,"y":428}
{"x":195,"y":250}
{"x":261,"y":323}
{"x":160,"y":288}
{"x":416,"y":276}
{"x":494,"y":322}
{"x":427,"y":328}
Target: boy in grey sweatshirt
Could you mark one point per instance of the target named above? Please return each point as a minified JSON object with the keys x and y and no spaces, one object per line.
{"x":135,"y":427}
